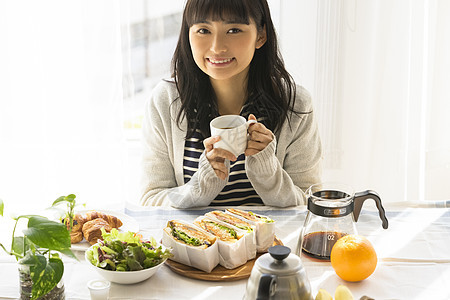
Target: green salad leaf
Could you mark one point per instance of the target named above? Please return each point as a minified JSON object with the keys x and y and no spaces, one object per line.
{"x":124,"y":251}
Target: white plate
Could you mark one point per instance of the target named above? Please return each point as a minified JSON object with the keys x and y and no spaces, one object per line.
{"x":129,"y":224}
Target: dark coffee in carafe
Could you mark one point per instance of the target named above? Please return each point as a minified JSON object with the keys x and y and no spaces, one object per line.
{"x":319,"y":244}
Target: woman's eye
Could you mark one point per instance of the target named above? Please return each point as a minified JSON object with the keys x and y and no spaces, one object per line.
{"x":234,"y":30}
{"x":203,"y":31}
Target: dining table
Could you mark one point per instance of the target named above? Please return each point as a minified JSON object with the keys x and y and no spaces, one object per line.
{"x":413,"y":256}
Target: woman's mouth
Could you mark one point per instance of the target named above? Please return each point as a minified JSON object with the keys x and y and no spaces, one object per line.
{"x":219,"y":61}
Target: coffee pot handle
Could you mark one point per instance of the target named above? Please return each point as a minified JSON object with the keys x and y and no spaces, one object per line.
{"x":266,"y":288}
{"x":359,"y":199}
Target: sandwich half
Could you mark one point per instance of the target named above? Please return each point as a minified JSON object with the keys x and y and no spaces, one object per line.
{"x":230,"y":219}
{"x":265,"y":227}
{"x":191,"y":245}
{"x":189,"y":235}
{"x":224,"y":232}
{"x":231,"y":240}
{"x":250,"y":215}
{"x":247,"y":228}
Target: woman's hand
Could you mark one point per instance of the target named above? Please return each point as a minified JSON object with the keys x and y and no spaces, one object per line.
{"x":259,"y":137}
{"x":217,"y":156}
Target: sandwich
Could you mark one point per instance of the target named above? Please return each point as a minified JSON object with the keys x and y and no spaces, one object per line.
{"x":248,"y":229}
{"x":191,"y":245}
{"x":265,"y":227}
{"x":188,"y":234}
{"x":248,"y":215}
{"x":230,"y":219}
{"x":233,"y":250}
{"x":222,"y":231}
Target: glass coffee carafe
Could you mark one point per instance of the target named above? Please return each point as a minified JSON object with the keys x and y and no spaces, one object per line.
{"x":333,"y":209}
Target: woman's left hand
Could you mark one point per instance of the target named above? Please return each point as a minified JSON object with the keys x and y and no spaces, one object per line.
{"x":259,"y":137}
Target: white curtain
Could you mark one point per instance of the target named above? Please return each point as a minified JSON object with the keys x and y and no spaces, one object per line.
{"x":377,"y":71}
{"x":61,"y":103}
{"x":379,"y":77}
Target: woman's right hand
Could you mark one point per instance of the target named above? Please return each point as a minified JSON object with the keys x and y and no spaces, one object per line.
{"x":217,"y":156}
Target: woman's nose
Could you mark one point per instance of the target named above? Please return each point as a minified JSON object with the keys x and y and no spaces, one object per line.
{"x":218,"y":44}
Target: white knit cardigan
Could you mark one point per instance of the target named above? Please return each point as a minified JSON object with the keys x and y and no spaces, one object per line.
{"x":279,"y":174}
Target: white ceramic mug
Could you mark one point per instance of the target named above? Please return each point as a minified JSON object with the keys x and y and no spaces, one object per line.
{"x":232,"y":130}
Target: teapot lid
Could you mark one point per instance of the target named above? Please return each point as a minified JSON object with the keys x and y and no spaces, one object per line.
{"x":279,"y":261}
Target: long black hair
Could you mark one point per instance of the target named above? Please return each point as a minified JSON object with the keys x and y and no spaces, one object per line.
{"x":270,"y":89}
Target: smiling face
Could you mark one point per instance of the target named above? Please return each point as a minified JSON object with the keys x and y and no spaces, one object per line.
{"x":223,"y":50}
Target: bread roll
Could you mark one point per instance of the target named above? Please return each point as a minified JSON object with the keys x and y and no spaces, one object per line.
{"x":92,"y":230}
{"x":113,"y":221}
{"x":76,"y":237}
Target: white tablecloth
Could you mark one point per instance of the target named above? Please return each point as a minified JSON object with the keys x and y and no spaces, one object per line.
{"x":413,"y":258}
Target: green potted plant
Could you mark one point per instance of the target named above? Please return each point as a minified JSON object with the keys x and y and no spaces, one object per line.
{"x":37,"y":252}
{"x":68,"y":214}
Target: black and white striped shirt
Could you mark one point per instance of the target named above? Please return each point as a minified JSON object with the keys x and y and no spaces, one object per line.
{"x":238,"y":191}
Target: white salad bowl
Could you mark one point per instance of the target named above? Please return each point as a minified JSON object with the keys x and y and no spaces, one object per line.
{"x":124,"y":277}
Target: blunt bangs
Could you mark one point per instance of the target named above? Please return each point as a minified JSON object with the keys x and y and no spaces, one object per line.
{"x":234,"y":11}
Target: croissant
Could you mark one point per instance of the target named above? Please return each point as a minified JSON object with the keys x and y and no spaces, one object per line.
{"x":113,"y":221}
{"x":76,"y":237}
{"x":92,"y":230}
{"x":78,"y":222}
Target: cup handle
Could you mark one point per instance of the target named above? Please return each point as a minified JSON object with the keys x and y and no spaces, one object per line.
{"x":249,"y":122}
{"x":359,"y":199}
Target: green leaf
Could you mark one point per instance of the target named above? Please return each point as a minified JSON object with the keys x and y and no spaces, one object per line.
{"x":18,"y":245}
{"x":134,"y":256}
{"x":26,"y":217}
{"x":45,"y":274}
{"x":69,"y":198}
{"x":2,"y":206}
{"x":134,"y":265}
{"x":47,"y":234}
{"x":137,"y":253}
{"x":59,"y":200}
{"x":69,"y":253}
{"x":30,"y":259}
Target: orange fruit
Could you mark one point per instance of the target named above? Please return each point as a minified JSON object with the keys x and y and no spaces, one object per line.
{"x":353,"y":258}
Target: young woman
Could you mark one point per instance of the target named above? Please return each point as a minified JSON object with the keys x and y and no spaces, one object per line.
{"x":227,"y":62}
